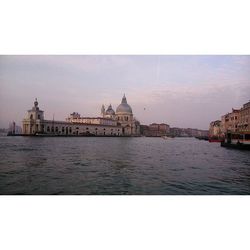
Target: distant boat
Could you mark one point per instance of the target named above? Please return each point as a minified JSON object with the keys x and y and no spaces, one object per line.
{"x":165,"y":137}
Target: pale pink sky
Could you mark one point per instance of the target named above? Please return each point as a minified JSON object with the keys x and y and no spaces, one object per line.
{"x":183,"y":91}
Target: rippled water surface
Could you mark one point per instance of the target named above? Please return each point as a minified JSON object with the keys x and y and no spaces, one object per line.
{"x":88,"y":165}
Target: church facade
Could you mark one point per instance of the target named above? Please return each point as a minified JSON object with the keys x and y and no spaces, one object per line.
{"x":110,"y":123}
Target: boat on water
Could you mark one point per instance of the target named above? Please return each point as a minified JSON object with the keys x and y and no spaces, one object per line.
{"x":239,"y":140}
{"x":165,"y":137}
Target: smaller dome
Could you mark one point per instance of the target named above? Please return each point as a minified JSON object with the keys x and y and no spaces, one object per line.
{"x":110,"y":111}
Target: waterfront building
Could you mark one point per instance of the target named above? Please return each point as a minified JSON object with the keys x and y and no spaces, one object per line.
{"x":230,"y":121}
{"x":235,"y":122}
{"x":156,"y":130}
{"x":119,"y":123}
{"x":224,"y":124}
{"x":215,"y":129}
{"x":244,"y":119}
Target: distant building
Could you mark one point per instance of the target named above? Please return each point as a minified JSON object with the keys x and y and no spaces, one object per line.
{"x":14,"y":129}
{"x":155,"y":130}
{"x":119,"y":123}
{"x":188,"y":132}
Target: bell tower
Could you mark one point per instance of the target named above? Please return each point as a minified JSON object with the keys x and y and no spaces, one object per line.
{"x":103,"y":111}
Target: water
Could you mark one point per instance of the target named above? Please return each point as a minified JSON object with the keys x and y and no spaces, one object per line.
{"x":88,"y":165}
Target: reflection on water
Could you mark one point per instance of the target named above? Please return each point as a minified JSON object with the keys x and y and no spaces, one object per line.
{"x":88,"y":165}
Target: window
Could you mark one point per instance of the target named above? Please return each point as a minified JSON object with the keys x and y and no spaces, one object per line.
{"x":48,"y":129}
{"x":56,"y":129}
{"x":31,"y":116}
{"x":52,"y":129}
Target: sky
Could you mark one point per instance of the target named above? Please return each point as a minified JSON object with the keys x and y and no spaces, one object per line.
{"x":182,"y":91}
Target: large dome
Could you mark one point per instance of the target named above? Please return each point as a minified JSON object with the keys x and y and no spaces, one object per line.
{"x":124,"y":107}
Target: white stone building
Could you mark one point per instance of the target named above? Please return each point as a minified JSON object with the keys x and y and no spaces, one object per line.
{"x":119,"y":123}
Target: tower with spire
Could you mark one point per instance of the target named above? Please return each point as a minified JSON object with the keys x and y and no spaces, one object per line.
{"x":32,"y":124}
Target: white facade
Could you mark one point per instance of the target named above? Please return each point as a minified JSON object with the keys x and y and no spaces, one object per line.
{"x":120,"y":123}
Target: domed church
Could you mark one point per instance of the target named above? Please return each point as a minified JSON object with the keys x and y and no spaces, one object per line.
{"x":124,"y":117}
{"x":111,"y":123}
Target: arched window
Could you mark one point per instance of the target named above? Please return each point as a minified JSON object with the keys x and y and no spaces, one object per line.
{"x":31,"y":116}
{"x":48,"y":129}
{"x":38,"y":117}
